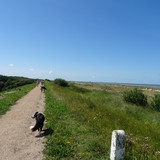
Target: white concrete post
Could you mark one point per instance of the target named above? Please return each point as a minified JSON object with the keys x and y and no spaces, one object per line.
{"x":117,"y":145}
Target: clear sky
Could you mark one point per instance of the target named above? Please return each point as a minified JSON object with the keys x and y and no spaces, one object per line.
{"x":81,"y":40}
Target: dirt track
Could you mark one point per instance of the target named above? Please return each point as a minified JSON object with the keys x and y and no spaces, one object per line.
{"x":17,"y":142}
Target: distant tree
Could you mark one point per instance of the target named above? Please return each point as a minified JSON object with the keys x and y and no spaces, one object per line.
{"x":1,"y":85}
{"x":61,"y":82}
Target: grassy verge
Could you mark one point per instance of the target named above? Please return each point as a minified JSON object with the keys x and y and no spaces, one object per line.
{"x":9,"y":97}
{"x":82,"y":121}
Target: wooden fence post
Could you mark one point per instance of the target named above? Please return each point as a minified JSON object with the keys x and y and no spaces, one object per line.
{"x":117,"y":145}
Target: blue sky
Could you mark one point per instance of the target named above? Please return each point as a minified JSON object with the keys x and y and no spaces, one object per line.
{"x":81,"y":40}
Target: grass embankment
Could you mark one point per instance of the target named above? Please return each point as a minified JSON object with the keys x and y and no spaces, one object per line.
{"x":82,"y":121}
{"x":9,"y":82}
{"x":9,"y":97}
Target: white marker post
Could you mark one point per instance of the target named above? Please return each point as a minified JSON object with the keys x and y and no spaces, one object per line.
{"x":117,"y":145}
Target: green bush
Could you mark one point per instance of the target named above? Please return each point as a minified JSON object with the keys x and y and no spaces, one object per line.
{"x":155,"y":103}
{"x":135,"y":96}
{"x":61,"y":82}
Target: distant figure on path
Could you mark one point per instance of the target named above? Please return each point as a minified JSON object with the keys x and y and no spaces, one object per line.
{"x":37,"y":83}
{"x":43,"y":88}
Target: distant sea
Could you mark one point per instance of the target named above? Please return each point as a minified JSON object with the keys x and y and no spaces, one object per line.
{"x":157,"y":86}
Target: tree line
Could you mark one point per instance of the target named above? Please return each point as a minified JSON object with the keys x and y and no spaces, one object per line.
{"x":9,"y":82}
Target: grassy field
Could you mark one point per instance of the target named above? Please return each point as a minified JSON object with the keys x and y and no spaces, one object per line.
{"x":83,"y":116}
{"x":9,"y":97}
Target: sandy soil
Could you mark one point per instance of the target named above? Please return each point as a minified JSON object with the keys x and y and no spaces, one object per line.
{"x":17,"y":142}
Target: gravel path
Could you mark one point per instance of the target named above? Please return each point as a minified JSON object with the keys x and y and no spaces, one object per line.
{"x":17,"y":142}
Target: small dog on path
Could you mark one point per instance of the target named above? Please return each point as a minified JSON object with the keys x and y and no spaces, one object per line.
{"x":43,"y":88}
{"x":39,"y":117}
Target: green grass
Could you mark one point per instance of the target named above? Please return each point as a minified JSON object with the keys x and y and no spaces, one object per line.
{"x":7,"y":100}
{"x":82,"y":121}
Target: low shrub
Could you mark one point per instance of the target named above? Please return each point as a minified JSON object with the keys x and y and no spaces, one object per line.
{"x":135,"y":96}
{"x":155,"y":103}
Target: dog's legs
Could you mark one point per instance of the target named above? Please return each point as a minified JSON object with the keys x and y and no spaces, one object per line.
{"x":39,"y":130}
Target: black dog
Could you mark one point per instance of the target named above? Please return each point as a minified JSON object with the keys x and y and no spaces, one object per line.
{"x":39,"y":122}
{"x":43,"y":88}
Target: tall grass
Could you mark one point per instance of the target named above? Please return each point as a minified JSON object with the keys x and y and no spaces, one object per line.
{"x":82,"y":121}
{"x":9,"y":97}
